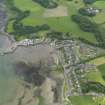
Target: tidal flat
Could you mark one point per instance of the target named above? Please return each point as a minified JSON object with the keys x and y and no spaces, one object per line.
{"x":11,"y":84}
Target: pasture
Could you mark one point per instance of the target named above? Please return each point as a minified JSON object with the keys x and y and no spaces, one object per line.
{"x":82,"y":100}
{"x":98,"y":61}
{"x":95,"y":76}
{"x":56,"y":12}
{"x":59,"y":21}
{"x":99,"y":4}
{"x":100,"y":17}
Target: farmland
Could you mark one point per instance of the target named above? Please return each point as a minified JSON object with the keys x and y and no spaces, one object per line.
{"x":98,"y":61}
{"x":75,"y":30}
{"x":102,"y":70}
{"x":95,"y":76}
{"x":86,"y":100}
{"x":59,"y":23}
{"x":82,"y":100}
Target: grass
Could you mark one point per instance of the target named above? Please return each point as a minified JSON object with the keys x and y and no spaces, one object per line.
{"x":82,"y":100}
{"x":99,"y":4}
{"x":102,"y":67}
{"x":61,"y":24}
{"x":103,"y":25}
{"x":27,"y":5}
{"x":102,"y":70}
{"x":41,"y":101}
{"x":87,"y":100}
{"x":99,"y":18}
{"x":98,"y":61}
{"x":10,"y":27}
{"x":95,"y":76}
{"x":100,"y":100}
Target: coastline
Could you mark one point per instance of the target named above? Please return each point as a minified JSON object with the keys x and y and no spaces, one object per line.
{"x":14,"y":44}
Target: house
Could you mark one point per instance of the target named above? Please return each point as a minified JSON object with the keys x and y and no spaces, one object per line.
{"x":26,"y":42}
{"x":92,"y":10}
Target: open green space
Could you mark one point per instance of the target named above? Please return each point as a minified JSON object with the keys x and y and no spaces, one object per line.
{"x":27,"y":5}
{"x":82,"y":100}
{"x":95,"y":76}
{"x":99,"y":4}
{"x":98,"y":61}
{"x":100,"y":17}
{"x":102,"y":70}
{"x":61,"y":24}
{"x":86,"y":100}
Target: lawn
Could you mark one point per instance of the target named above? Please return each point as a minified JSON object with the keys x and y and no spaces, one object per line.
{"x":99,"y":4}
{"x":27,"y":5}
{"x":9,"y":27}
{"x":98,"y":61}
{"x":102,"y":67}
{"x":99,"y":18}
{"x":103,"y":25}
{"x":82,"y":100}
{"x":61,"y":24}
{"x":95,"y":76}
{"x":102,"y":70}
{"x":87,"y":100}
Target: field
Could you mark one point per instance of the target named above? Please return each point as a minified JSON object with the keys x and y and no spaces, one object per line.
{"x":98,"y":61}
{"x":100,"y":17}
{"x":102,"y":70}
{"x":86,"y":100}
{"x":82,"y":100}
{"x":95,"y":76}
{"x":27,"y":5}
{"x":57,"y":23}
{"x":102,"y":67}
{"x":60,"y":11}
{"x":59,"y":19}
{"x":98,"y":74}
{"x":99,"y":4}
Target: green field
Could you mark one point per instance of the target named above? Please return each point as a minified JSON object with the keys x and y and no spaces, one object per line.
{"x":82,"y":100}
{"x":98,"y":61}
{"x":99,"y":4}
{"x":86,"y":100}
{"x":95,"y":76}
{"x":64,"y":24}
{"x":100,"y":17}
{"x":61,"y":24}
{"x":27,"y":5}
{"x":102,"y":70}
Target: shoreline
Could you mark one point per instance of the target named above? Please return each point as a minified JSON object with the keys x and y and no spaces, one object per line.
{"x":14,"y":44}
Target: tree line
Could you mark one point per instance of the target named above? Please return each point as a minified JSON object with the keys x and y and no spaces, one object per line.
{"x":47,"y":3}
{"x":87,"y":25}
